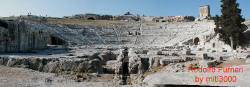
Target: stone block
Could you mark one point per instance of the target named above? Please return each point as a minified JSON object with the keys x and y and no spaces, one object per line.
{"x":160,"y":53}
{"x":154,"y":62}
{"x":165,"y":61}
{"x":206,"y":63}
{"x":186,"y":52}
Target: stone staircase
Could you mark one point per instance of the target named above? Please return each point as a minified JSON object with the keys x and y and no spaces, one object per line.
{"x":157,"y":34}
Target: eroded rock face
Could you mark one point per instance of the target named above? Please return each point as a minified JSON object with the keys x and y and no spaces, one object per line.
{"x":120,"y":56}
{"x":16,"y":37}
{"x":134,"y":62}
{"x":154,"y":62}
{"x":207,"y":63}
{"x":54,"y":65}
{"x":106,"y":56}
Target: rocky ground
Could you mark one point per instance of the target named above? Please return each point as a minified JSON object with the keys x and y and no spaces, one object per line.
{"x":19,"y":77}
{"x":76,"y":68}
{"x":181,"y":76}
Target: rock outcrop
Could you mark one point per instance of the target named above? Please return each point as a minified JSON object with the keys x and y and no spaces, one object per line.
{"x":16,"y":37}
{"x":54,"y":65}
{"x":135,"y":63}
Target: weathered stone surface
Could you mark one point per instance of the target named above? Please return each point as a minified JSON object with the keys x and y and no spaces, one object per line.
{"x":141,"y":51}
{"x":173,"y":54}
{"x":134,"y":61}
{"x":54,"y":65}
{"x":188,"y":58}
{"x":110,"y":67}
{"x":206,"y":63}
{"x":152,"y":52}
{"x":160,"y":53}
{"x":118,"y":68}
{"x":4,"y":60}
{"x":165,"y":61}
{"x":106,"y":56}
{"x":204,"y":11}
{"x":120,"y":57}
{"x":94,"y":66}
{"x":154,"y":62}
{"x":16,"y":37}
{"x":186,"y":51}
{"x":203,"y":56}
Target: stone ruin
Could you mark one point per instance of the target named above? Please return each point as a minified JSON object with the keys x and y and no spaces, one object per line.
{"x":204,"y":12}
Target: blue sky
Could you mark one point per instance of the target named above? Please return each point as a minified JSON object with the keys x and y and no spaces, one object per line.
{"x":59,"y":8}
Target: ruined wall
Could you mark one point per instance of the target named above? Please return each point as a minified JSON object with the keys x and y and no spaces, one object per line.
{"x":204,"y":11}
{"x":17,"y":38}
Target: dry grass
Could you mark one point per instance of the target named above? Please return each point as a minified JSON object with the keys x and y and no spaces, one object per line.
{"x":106,"y":23}
{"x":8,"y":18}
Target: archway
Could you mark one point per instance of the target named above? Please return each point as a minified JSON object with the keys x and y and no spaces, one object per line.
{"x":91,"y":18}
{"x":56,"y":41}
{"x":3,"y":24}
{"x":196,"y":41}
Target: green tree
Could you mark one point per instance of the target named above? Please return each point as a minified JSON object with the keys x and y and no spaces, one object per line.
{"x":230,"y":25}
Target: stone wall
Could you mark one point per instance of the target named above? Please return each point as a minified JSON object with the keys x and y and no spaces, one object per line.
{"x":15,"y":37}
